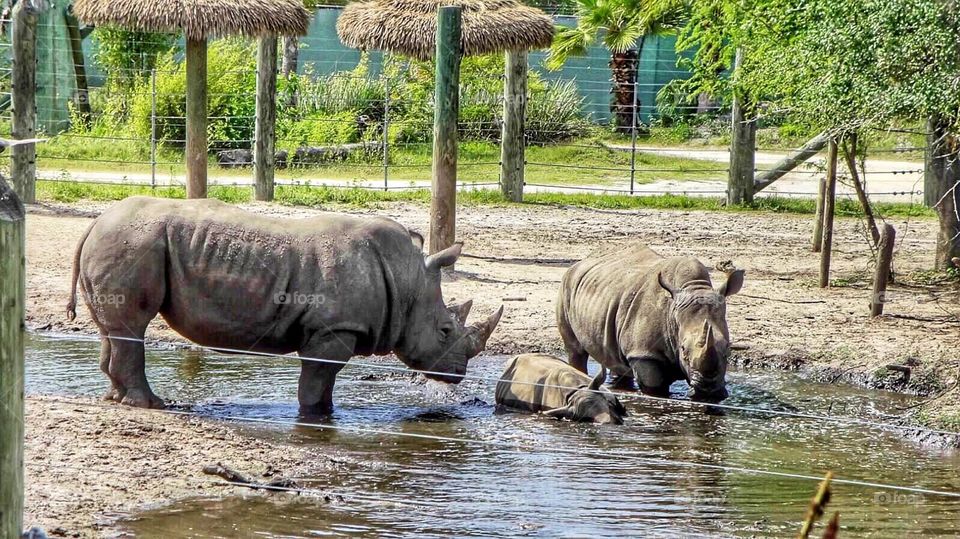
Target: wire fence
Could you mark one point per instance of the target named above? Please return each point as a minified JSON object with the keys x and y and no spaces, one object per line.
{"x":366,"y":122}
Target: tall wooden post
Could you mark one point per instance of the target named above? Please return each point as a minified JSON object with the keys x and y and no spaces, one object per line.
{"x":743,"y":143}
{"x":887,"y":240}
{"x":818,"y":217}
{"x":196,"y":155}
{"x":829,"y":206}
{"x":11,"y":361}
{"x":264,"y":148}
{"x":933,"y":161}
{"x":514,"y":116}
{"x":443,"y":204}
{"x":79,"y":64}
{"x":23,"y":163}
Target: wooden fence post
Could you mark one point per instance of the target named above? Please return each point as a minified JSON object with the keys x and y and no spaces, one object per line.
{"x":264,"y":155}
{"x":11,"y":361}
{"x":829,"y":206}
{"x":443,"y":203}
{"x":196,"y":118}
{"x":743,"y":141}
{"x":818,"y":217}
{"x":23,"y":162}
{"x":882,"y":275}
{"x":511,"y":137}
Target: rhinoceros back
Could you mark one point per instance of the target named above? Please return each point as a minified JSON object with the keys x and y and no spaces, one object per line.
{"x":613,"y":303}
{"x":240,"y":280}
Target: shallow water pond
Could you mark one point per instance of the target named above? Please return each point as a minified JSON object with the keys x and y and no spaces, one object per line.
{"x":665,"y":473}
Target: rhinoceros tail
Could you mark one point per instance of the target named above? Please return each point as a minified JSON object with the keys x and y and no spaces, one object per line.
{"x":72,"y":304}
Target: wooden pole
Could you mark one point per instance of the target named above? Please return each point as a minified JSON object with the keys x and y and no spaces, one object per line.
{"x":23,"y":162}
{"x":818,"y":218}
{"x":784,"y":166}
{"x":443,"y":204}
{"x":882,"y":275}
{"x":514,"y":115}
{"x":79,"y":66}
{"x":266,"y":122}
{"x":11,"y":361}
{"x":196,"y":155}
{"x":743,"y":143}
{"x":933,"y":161}
{"x":850,"y":153}
{"x":829,"y":205}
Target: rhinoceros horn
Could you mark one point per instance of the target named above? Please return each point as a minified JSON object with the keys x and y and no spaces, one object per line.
{"x":598,"y":379}
{"x":461,"y":311}
{"x":705,"y":334}
{"x":481,"y":331}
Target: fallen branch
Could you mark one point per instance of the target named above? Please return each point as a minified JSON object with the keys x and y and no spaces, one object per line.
{"x":234,"y":477}
{"x":817,"y":505}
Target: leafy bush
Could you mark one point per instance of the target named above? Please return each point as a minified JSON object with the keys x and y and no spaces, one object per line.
{"x":319,"y":129}
{"x":231,"y":97}
{"x":554,"y":113}
{"x":125,"y":55}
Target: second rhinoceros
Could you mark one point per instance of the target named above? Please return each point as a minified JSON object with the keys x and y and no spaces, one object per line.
{"x":649,"y":318}
{"x":328,"y":288}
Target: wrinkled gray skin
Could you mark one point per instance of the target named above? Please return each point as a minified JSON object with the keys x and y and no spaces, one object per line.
{"x":328,"y":287}
{"x":653,"y":319}
{"x":543,"y":383}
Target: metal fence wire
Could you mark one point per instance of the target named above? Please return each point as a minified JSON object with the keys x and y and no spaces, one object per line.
{"x":365,"y":121}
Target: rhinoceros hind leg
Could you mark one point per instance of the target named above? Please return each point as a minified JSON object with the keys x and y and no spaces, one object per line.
{"x":127,"y":372}
{"x":317,"y":378}
{"x":116,"y":391}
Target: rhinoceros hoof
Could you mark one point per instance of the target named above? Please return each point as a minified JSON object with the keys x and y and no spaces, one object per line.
{"x":143,"y":400}
{"x":113,"y":394}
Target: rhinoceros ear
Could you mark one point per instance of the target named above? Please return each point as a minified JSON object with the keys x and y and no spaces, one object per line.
{"x":734,"y":283}
{"x":599,"y":379}
{"x":417,"y":239}
{"x":445,"y":257}
{"x":665,"y":286}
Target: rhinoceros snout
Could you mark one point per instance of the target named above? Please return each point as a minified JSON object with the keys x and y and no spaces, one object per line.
{"x":708,"y":393}
{"x":446,"y":378}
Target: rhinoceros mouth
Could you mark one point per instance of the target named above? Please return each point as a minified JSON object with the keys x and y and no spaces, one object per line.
{"x":446,"y":378}
{"x":708,"y":393}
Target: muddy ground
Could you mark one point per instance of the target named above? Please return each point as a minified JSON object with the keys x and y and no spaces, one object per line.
{"x":516,"y":256}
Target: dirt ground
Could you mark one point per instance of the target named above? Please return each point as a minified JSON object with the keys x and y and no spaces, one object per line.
{"x":516,"y":257}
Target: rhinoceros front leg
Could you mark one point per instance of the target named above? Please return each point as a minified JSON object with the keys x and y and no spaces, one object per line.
{"x":315,"y":391}
{"x":650,"y":376}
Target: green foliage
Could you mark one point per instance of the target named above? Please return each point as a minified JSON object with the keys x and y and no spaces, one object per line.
{"x":231,"y":96}
{"x":618,"y":24}
{"x":318,"y":129}
{"x":126,"y":55}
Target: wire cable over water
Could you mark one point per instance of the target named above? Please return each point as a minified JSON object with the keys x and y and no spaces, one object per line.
{"x":638,"y":395}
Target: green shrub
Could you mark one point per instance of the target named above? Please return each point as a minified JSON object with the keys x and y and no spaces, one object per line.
{"x":231,"y":97}
{"x":125,"y":55}
{"x":319,"y":129}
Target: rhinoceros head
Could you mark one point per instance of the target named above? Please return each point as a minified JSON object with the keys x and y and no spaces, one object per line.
{"x":592,"y":404}
{"x":703,"y":340}
{"x":436,"y":338}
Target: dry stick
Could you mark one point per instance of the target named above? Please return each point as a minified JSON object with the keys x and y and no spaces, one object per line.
{"x":829,"y":204}
{"x":817,"y":505}
{"x":882,"y":275}
{"x":832,"y":527}
{"x":849,"y":153}
{"x":234,"y":477}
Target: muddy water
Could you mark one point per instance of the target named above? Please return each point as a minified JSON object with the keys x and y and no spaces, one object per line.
{"x":405,"y":486}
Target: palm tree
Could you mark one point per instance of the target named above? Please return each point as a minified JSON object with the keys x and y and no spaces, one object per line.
{"x":621,"y":26}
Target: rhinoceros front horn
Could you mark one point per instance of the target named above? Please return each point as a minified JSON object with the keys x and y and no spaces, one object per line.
{"x":481,"y":331}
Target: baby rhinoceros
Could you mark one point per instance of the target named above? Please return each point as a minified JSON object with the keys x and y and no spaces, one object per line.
{"x":543,"y":383}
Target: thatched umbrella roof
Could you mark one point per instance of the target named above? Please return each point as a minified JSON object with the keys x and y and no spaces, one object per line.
{"x":409,"y":27}
{"x":199,"y":19}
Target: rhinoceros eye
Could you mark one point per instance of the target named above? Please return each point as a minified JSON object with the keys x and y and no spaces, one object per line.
{"x":445,"y":332}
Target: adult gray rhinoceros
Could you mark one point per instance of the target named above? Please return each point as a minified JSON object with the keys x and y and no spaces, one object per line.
{"x":649,"y":318}
{"x":328,"y":287}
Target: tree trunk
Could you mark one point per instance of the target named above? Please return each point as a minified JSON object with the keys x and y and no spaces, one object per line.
{"x":623,"y":68}
{"x":288,"y":64}
{"x":941,"y":188}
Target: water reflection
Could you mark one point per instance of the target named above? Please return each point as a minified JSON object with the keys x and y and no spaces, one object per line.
{"x":654,"y":476}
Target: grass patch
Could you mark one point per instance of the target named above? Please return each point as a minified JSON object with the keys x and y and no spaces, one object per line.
{"x":305,"y":195}
{"x":582,"y":162}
